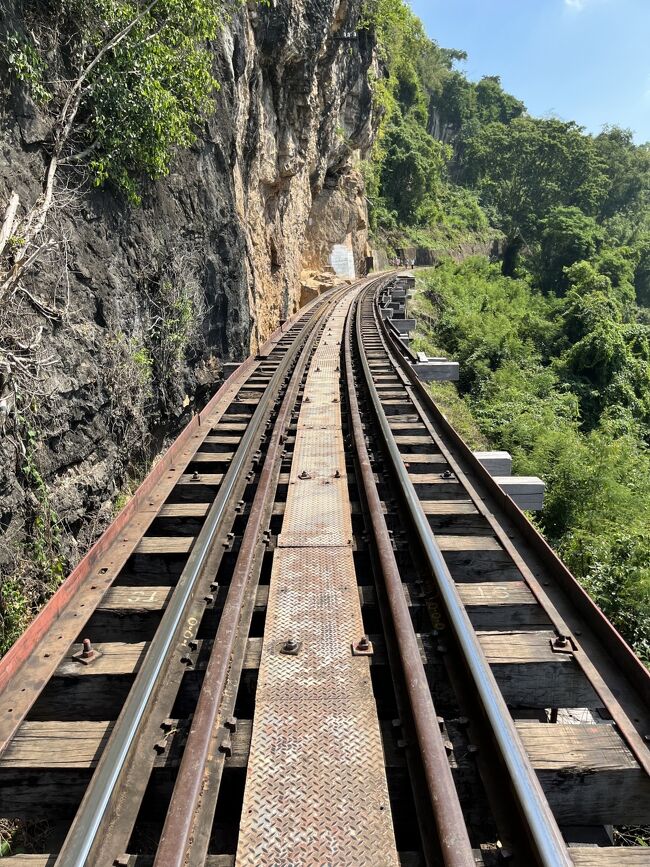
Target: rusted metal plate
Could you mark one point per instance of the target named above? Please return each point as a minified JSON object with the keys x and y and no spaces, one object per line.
{"x":318,"y":507}
{"x":316,"y":791}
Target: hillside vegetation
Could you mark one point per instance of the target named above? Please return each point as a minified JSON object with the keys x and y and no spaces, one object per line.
{"x":554,"y":341}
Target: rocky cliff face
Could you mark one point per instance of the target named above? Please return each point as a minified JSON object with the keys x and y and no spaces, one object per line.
{"x":271,"y":184}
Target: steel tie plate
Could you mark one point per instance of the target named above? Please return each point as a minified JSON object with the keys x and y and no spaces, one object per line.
{"x":316,"y":790}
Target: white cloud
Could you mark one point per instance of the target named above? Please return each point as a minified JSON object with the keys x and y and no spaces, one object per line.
{"x":580,"y":5}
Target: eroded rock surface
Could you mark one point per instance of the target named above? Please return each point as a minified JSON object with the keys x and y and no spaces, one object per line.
{"x":270,"y":186}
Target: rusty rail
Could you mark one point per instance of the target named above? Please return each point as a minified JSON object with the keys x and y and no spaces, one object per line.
{"x":450,"y":823}
{"x":82,"y":835}
{"x":181,"y":814}
{"x":545,"y":834}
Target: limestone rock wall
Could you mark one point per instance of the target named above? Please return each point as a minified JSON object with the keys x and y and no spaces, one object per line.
{"x":270,"y":186}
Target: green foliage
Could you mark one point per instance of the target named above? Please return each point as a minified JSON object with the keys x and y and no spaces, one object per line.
{"x":26,"y":64}
{"x":466,"y":106}
{"x":410,"y":172}
{"x":628,"y":170}
{"x":15,"y":611}
{"x":568,"y":236}
{"x":140,"y":99}
{"x":145,"y":95}
{"x":406,"y":178}
{"x":524,"y":169}
{"x":45,"y":531}
{"x":562,"y":384}
{"x":20,"y":596}
{"x":642,"y":275}
{"x":608,"y":354}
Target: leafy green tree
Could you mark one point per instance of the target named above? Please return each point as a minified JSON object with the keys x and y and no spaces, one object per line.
{"x":493,"y":104}
{"x":567,"y":236}
{"x":628,"y":170}
{"x":411,"y":170}
{"x":528,"y":167}
{"x":642,"y":275}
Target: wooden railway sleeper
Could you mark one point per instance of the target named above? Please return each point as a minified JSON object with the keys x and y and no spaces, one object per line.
{"x":550,"y":847}
{"x":189,"y":809}
{"x":102,"y":823}
{"x":630,"y":733}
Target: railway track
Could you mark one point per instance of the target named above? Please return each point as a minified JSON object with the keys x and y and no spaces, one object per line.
{"x":321,"y":634}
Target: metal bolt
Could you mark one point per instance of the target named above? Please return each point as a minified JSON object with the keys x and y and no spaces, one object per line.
{"x":447,"y":475}
{"x":290,"y":645}
{"x":363,"y":643}
{"x":337,"y":474}
{"x":304,"y":475}
{"x":561,"y":641}
{"x":195,"y":476}
{"x":87,"y":652}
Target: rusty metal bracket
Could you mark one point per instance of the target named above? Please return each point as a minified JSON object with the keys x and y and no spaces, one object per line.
{"x":363,"y":647}
{"x":563,"y":644}
{"x":87,"y":654}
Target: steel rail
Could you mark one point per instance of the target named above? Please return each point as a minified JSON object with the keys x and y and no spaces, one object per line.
{"x":615,"y":645}
{"x":81,"y":836}
{"x":448,"y":815}
{"x":546,"y":837}
{"x":181,"y":814}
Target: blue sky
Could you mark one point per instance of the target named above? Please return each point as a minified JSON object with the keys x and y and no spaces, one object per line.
{"x":582,"y":60}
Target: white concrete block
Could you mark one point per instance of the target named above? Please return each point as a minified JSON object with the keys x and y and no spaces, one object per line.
{"x":438,"y":371}
{"x":404,"y":326}
{"x":526,"y":491}
{"x":496,"y":463}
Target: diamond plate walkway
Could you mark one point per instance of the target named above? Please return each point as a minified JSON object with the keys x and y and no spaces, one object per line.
{"x":316,"y":792}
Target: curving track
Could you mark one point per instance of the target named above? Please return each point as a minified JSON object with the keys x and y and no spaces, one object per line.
{"x":321,"y":634}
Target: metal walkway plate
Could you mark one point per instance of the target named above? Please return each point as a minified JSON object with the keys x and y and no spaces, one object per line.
{"x":316,"y":792}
